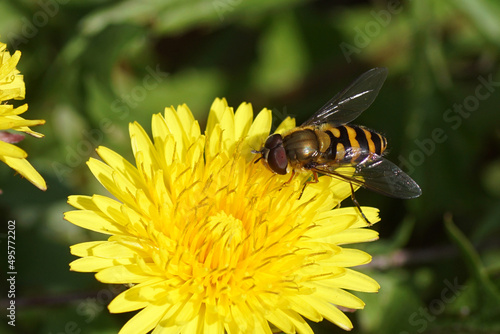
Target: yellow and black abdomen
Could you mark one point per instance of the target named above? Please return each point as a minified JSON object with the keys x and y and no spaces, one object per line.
{"x":351,"y":143}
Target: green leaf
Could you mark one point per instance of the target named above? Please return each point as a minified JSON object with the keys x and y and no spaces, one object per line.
{"x":488,"y":295}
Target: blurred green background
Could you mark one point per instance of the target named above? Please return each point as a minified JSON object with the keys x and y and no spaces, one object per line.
{"x":91,"y":67}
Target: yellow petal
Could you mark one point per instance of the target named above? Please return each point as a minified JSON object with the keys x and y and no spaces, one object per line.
{"x":113,"y":250}
{"x":91,"y":264}
{"x":214,"y":116}
{"x":145,"y":320}
{"x":354,"y":280}
{"x":10,"y":65}
{"x":85,"y":248}
{"x":300,"y":324}
{"x":12,"y":151}
{"x":214,"y":143}
{"x":113,"y":181}
{"x":186,"y":117}
{"x":120,"y":164}
{"x":134,"y":298}
{"x":281,"y":320}
{"x":175,"y":127}
{"x":146,"y":157}
{"x":341,"y":297}
{"x":352,"y":235}
{"x":351,"y":257}
{"x":163,"y":140}
{"x":333,"y":314}
{"x":125,"y":274}
{"x":23,"y":167}
{"x":242,"y":120}
{"x":227,"y":126}
{"x":110,"y":207}
{"x":94,"y":221}
{"x":259,"y":130}
{"x":287,"y":124}
{"x":82,"y":202}
{"x":18,"y":123}
{"x":300,"y":305}
{"x":9,"y":110}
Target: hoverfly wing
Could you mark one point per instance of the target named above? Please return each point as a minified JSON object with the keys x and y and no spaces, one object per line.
{"x":377,"y":174}
{"x":384,"y":177}
{"x":348,"y":104}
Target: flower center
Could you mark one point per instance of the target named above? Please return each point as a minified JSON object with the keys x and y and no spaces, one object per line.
{"x":223,"y":236}
{"x":225,"y":230}
{"x":221,"y":250}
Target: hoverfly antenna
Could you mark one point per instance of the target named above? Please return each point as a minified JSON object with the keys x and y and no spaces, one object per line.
{"x":257,"y":152}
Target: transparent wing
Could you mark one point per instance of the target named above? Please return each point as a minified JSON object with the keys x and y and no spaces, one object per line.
{"x":377,"y":174}
{"x":348,"y":104}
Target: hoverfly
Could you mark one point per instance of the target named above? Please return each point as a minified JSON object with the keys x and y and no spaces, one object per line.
{"x":325,"y":144}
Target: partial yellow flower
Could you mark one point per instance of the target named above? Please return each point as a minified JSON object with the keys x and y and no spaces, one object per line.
{"x":212,"y":242}
{"x":12,"y":87}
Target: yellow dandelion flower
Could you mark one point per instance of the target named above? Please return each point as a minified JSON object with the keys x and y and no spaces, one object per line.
{"x":212,"y":242}
{"x":12,"y":87}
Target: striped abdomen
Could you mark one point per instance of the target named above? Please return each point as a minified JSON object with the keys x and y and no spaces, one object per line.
{"x":351,"y":143}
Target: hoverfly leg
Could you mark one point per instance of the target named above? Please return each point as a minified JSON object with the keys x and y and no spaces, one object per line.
{"x":315,"y":180}
{"x":355,"y":201}
{"x":289,"y":180}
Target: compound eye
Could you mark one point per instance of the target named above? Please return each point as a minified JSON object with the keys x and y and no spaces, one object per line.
{"x":273,"y":141}
{"x":277,"y":160}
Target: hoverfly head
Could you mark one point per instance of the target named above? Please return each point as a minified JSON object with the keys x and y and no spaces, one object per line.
{"x":273,"y":154}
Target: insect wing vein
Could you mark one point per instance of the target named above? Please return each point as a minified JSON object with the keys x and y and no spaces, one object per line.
{"x":348,"y":104}
{"x":377,"y":174}
{"x":383,"y":176}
